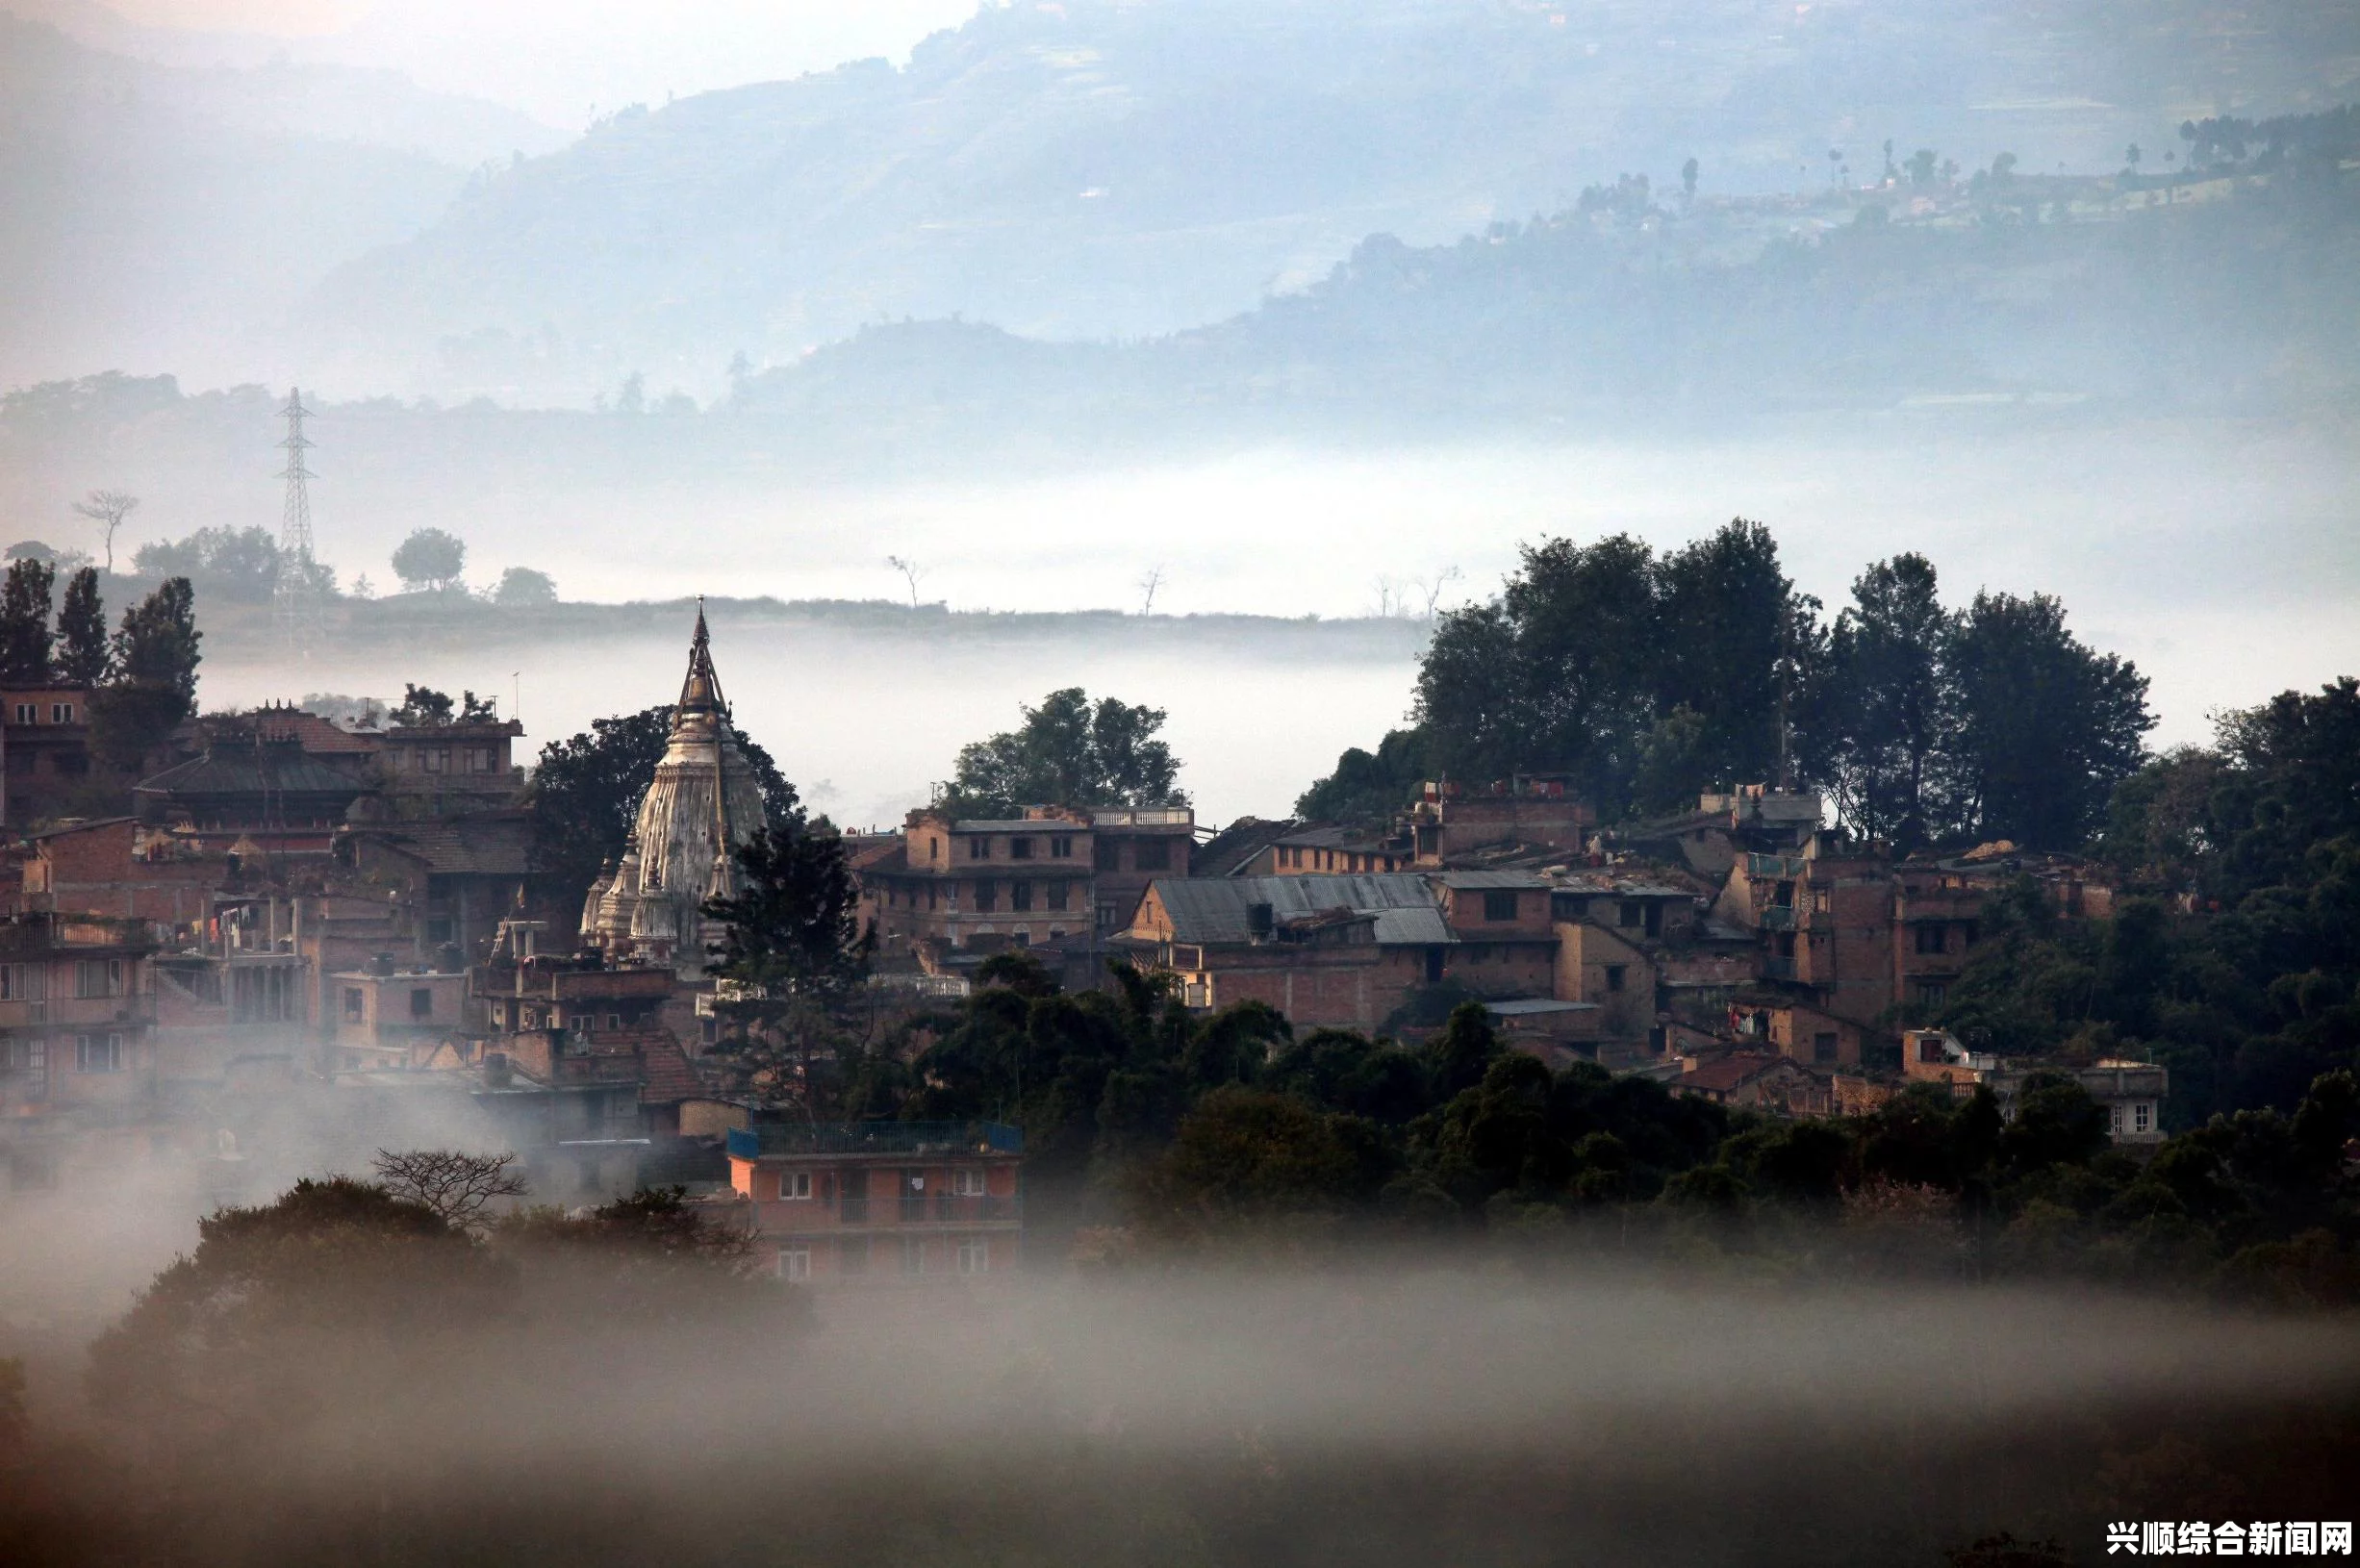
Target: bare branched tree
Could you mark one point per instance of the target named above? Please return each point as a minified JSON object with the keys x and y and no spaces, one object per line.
{"x":1147,"y":585}
{"x":1390,"y":600}
{"x":459,"y":1187}
{"x":911,"y":571}
{"x":1433,"y":586}
{"x":108,"y":508}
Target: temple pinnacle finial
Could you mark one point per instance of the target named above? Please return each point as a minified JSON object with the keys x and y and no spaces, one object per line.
{"x":701,"y":691}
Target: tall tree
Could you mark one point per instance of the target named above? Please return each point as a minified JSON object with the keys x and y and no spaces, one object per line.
{"x":794,"y":952}
{"x":1726,"y":616}
{"x":108,"y":508}
{"x":157,"y":644}
{"x":1886,"y":703}
{"x":430,"y":559}
{"x":153,"y":687}
{"x":24,"y":621}
{"x":2046,"y":728}
{"x":1556,"y":674}
{"x":83,"y":654}
{"x":1069,"y":752}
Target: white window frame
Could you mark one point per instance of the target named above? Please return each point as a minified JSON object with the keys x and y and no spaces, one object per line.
{"x":794,"y":1263}
{"x":968,"y":1181}
{"x":793,"y":1186}
{"x":2142,"y":1117}
{"x":974,"y":1255}
{"x":104,"y":1050}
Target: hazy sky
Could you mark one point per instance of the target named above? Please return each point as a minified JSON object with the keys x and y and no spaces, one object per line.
{"x":556,"y":58}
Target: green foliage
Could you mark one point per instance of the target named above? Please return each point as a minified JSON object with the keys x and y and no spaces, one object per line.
{"x":237,"y":566}
{"x":82,"y":656}
{"x":1370,"y":786}
{"x":793,"y":928}
{"x":430,"y":561}
{"x":156,"y":647}
{"x":1069,"y":752}
{"x":521,"y":587}
{"x":24,"y":622}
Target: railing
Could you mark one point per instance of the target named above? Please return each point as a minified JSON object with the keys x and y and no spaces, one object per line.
{"x":875,"y":1138}
{"x":1778,"y":918}
{"x":1776,"y":868}
{"x":1777,"y":969}
{"x":949,"y":1208}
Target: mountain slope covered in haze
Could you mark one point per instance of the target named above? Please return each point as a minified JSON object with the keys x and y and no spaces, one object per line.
{"x":161,"y":216}
{"x":1102,"y":170}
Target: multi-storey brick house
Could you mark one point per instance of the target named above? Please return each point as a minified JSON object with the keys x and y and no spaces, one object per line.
{"x":77,"y":1015}
{"x":879,"y":1202}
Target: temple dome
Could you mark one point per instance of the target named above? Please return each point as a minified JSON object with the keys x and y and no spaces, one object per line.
{"x":703,"y":802}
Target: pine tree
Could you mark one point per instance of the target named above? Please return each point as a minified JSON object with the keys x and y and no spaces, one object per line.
{"x":24,"y":622}
{"x":83,"y":655}
{"x":156,"y":648}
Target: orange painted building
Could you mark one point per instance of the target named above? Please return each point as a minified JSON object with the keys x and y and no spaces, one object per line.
{"x":882,"y":1202}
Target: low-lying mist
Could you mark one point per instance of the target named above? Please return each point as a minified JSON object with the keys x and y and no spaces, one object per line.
{"x":1405,"y":1409}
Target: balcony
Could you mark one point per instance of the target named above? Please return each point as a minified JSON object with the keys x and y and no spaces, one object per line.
{"x":1775,"y":867}
{"x":1777,"y":916}
{"x":1774,"y":968}
{"x":946,"y":1209}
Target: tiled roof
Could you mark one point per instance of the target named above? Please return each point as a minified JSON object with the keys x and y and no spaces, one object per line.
{"x":493,"y":844}
{"x":1728,"y":1072}
{"x":252,"y":770}
{"x":1216,"y":909}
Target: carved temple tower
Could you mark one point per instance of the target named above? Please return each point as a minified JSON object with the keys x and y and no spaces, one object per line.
{"x":703,"y":802}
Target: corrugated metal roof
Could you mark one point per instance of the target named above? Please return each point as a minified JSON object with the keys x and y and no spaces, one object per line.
{"x":1216,"y":909}
{"x":1528,"y":1007}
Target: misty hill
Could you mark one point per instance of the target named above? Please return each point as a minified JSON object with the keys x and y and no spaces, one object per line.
{"x":1097,"y":170}
{"x":175,"y":215}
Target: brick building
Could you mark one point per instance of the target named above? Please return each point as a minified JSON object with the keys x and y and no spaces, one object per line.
{"x":881,"y":1203}
{"x":77,"y":1015}
{"x":44,"y":751}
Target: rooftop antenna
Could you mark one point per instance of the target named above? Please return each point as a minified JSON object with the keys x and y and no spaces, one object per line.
{"x":295,"y":602}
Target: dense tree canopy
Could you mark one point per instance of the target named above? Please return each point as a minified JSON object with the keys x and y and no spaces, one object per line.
{"x":24,"y":621}
{"x":430,"y":559}
{"x":1069,"y":752}
{"x":82,"y":653}
{"x":1647,"y":679}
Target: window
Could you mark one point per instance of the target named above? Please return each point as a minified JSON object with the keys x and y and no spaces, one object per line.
{"x":1107,"y":855}
{"x":975,"y":1255}
{"x":2143,"y":1116}
{"x":98,"y":1053}
{"x":421,"y":1004}
{"x":1931,"y":993}
{"x":28,"y":713}
{"x":1020,"y":895}
{"x":355,"y":1005}
{"x":60,"y":713}
{"x":1824,"y":1047}
{"x":913,"y":1256}
{"x":614,"y":1021}
{"x":1929,"y":1049}
{"x":1498,"y":906}
{"x":979,"y":848}
{"x":1058,"y":893}
{"x":98,"y":977}
{"x":1930,"y":939}
{"x":1020,"y":848}
{"x":1615,"y":976}
{"x":434,"y":759}
{"x":23,"y":982}
{"x":2114,"y":1121}
{"x":793,"y":1185}
{"x":794,"y":1263}
{"x":987,"y":896}
{"x":967,"y":1181}
{"x":1152,"y":856}
{"x":1630,"y":913}
{"x":34,"y":1057}
{"x":933,"y":849}
{"x":1060,"y":849}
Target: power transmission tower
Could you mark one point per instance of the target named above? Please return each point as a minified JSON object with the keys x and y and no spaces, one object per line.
{"x":295,"y":603}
